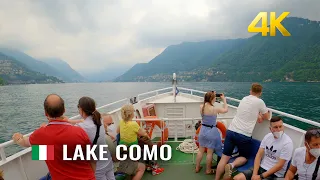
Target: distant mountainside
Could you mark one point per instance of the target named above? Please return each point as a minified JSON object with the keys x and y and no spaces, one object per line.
{"x":64,"y":69}
{"x":295,"y":58}
{"x":15,"y":72}
{"x":183,"y":57}
{"x":107,"y":74}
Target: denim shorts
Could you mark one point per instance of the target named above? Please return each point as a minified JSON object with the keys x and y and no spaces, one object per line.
{"x":242,"y":142}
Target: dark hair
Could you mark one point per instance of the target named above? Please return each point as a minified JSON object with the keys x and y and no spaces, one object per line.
{"x":88,"y":106}
{"x":54,"y":109}
{"x":256,"y":88}
{"x":275,"y":119}
{"x":314,"y":132}
{"x":208,"y":97}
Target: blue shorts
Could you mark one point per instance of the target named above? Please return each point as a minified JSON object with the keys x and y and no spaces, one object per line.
{"x":242,"y":142}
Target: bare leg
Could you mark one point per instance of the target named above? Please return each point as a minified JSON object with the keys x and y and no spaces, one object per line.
{"x":140,"y":171}
{"x":199,"y":158}
{"x":240,"y":177}
{"x":222,"y":163}
{"x":209,"y":160}
{"x":239,"y":161}
{"x":228,"y":169}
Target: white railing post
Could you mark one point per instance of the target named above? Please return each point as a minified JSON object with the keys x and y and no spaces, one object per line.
{"x":3,"y":154}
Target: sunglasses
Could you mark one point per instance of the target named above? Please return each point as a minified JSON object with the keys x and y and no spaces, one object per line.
{"x":315,"y":131}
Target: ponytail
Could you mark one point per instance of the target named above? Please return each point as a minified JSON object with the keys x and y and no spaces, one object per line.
{"x":96,"y":117}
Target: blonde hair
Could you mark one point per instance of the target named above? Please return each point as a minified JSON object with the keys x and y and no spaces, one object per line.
{"x":127,"y":112}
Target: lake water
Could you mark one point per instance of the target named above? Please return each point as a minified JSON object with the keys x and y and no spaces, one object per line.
{"x":21,"y":106}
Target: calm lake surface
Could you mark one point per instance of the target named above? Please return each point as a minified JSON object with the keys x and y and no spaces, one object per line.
{"x":21,"y":106}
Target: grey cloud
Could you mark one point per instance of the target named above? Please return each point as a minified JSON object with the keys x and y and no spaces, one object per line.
{"x":96,"y":33}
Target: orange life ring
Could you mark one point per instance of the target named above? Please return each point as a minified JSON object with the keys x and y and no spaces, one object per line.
{"x":221,"y":128}
{"x":150,"y":125}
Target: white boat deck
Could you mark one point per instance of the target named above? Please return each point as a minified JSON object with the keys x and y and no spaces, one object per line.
{"x":170,"y":99}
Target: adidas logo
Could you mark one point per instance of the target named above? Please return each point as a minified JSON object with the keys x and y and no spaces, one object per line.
{"x":270,"y":152}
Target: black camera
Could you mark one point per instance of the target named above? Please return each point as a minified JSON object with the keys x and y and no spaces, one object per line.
{"x":218,"y":95}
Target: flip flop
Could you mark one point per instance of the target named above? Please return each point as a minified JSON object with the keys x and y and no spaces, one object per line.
{"x":199,"y":169}
{"x":211,"y":172}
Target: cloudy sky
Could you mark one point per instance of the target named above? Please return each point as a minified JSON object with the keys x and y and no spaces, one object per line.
{"x":95,"y":34}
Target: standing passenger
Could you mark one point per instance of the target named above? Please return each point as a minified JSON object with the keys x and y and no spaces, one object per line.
{"x":92,"y":124}
{"x":59,"y":132}
{"x":240,"y":131}
{"x":209,"y":136}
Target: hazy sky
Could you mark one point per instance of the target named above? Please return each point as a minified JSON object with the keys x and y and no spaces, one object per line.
{"x":99,"y":33}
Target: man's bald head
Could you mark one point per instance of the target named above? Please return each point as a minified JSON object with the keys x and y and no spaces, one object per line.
{"x":107,"y":120}
{"x":54,"y":106}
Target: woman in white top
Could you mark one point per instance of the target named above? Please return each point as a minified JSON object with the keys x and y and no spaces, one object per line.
{"x":93,"y":126}
{"x":305,"y":158}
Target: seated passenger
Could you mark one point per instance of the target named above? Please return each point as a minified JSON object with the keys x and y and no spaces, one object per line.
{"x":129,"y":130}
{"x":110,"y":138}
{"x":306,"y":158}
{"x":275,"y":152}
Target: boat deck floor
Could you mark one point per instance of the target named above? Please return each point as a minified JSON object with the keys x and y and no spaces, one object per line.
{"x":180,"y":166}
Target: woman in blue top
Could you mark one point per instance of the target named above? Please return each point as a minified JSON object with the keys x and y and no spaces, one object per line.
{"x":209,"y":136}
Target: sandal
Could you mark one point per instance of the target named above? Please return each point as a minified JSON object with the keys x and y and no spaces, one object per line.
{"x":198,"y":169}
{"x":211,"y":172}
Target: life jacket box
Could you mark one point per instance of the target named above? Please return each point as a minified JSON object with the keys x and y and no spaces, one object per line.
{"x":149,"y":110}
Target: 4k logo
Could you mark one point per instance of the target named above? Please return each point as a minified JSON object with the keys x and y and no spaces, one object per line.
{"x":274,"y":23}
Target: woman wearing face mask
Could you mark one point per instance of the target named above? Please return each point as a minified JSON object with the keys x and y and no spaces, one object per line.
{"x":209,"y":136}
{"x":305,"y":159}
{"x":92,"y":124}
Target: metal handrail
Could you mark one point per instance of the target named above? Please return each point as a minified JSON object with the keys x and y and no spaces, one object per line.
{"x":10,"y":142}
{"x":3,"y":145}
{"x":150,"y":92}
{"x":270,"y":109}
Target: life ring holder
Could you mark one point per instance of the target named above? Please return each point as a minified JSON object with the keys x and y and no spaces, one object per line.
{"x":221,"y":128}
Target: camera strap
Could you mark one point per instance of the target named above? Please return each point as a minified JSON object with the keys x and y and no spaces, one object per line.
{"x":315,"y":173}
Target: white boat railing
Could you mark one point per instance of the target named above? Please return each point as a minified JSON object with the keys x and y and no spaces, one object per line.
{"x":151,"y":92}
{"x":8,"y":143}
{"x":314,"y":123}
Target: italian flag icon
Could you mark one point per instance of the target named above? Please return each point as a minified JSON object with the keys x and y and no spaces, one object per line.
{"x":42,"y":152}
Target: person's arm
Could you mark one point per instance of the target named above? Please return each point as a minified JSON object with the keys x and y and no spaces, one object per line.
{"x":275,"y":168}
{"x":225,"y":105}
{"x":285,"y":155}
{"x":75,"y":121}
{"x":265,"y":113}
{"x":291,"y":172}
{"x":142,"y":132}
{"x":20,"y":140}
{"x":257,"y":162}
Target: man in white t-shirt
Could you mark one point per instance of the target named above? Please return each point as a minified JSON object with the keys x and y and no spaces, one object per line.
{"x":250,"y":110}
{"x":305,"y":159}
{"x":275,"y":152}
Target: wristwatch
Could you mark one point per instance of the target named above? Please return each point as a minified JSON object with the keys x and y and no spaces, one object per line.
{"x":261,"y":176}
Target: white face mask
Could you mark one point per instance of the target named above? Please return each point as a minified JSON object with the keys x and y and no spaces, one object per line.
{"x":315,"y":152}
{"x":278,"y":134}
{"x":111,"y":128}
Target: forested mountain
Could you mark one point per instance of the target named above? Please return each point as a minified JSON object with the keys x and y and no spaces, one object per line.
{"x":258,"y":58}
